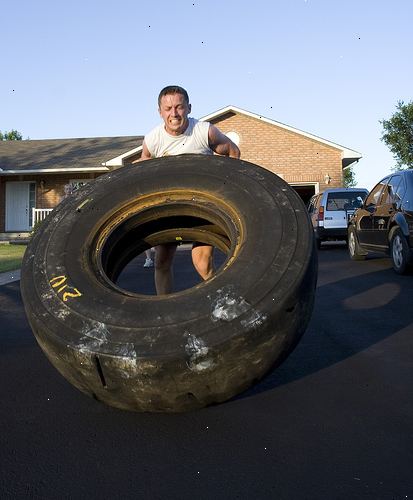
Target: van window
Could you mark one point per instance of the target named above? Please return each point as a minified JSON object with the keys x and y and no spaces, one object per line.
{"x":346,"y":200}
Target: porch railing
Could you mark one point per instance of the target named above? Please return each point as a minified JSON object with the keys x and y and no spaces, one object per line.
{"x":39,"y":214}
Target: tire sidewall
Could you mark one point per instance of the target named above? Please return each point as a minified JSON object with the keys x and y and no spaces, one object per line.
{"x":249,"y":316}
{"x":68,"y":230}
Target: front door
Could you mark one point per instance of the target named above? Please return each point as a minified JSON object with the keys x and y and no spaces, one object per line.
{"x":386,"y":211}
{"x":367,"y":218}
{"x":19,"y":201}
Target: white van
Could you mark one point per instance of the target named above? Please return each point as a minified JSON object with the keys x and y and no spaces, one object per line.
{"x":330,"y":211}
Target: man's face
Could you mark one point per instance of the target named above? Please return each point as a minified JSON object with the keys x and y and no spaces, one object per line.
{"x":174,"y":111}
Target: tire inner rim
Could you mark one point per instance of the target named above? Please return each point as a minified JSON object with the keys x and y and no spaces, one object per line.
{"x":177,"y":216}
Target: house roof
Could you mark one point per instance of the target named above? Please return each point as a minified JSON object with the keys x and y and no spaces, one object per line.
{"x":100,"y":154}
{"x":62,"y":155}
{"x":348,"y":156}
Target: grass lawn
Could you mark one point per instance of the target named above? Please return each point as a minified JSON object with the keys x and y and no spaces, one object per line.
{"x":11,"y":257}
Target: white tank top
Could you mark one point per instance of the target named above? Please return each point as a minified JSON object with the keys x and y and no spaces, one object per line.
{"x":193,"y":140}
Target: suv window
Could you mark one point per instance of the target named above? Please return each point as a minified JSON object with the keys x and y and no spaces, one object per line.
{"x":389,"y":193}
{"x":400,"y":190}
{"x":374,"y":197}
{"x":345,"y":200}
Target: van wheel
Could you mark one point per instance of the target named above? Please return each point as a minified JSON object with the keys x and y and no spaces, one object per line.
{"x":353,"y":245}
{"x":188,"y":349}
{"x":399,"y":252}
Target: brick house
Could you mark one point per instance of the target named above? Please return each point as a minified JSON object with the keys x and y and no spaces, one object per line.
{"x":36,"y":175}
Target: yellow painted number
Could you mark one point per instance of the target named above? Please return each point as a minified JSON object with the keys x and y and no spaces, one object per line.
{"x":63,"y":289}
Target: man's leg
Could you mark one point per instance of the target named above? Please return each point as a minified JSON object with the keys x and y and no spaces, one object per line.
{"x":202,"y":259}
{"x":149,"y":258}
{"x":164,"y":255}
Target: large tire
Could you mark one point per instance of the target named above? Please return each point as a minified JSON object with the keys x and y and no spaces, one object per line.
{"x":183,"y":350}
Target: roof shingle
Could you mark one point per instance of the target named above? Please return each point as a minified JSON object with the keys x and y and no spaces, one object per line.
{"x":63,"y":154}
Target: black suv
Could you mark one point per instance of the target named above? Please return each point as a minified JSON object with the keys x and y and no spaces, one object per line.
{"x":385,"y":222}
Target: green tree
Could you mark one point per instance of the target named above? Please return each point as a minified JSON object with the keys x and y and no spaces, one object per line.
{"x":13,"y":135}
{"x":398,"y":134}
{"x":349,"y":177}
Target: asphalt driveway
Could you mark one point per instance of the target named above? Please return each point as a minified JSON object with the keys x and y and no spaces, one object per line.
{"x":335,"y":421}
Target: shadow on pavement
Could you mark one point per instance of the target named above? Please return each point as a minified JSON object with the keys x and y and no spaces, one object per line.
{"x":350,"y":315}
{"x":327,"y":423}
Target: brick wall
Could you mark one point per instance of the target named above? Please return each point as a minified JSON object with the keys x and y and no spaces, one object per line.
{"x":297,"y":158}
{"x":52,"y":191}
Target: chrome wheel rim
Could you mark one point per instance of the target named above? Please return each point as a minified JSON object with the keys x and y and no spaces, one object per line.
{"x":397,"y":251}
{"x":351,"y":243}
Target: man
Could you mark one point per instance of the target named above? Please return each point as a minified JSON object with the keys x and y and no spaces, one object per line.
{"x":179,"y":134}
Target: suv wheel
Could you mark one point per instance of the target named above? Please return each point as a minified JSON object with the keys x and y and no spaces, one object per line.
{"x":399,"y":252}
{"x":353,"y":245}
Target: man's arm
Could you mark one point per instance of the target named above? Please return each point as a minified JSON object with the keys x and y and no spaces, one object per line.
{"x":221,"y":144}
{"x":146,"y":155}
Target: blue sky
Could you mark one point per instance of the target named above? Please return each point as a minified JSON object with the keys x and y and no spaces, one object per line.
{"x":94,"y":68}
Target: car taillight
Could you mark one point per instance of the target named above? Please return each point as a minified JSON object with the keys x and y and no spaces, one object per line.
{"x":321,"y":213}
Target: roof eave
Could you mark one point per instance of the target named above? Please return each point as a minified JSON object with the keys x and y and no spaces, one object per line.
{"x":349,"y":157}
{"x":118,"y":160}
{"x":54,"y":171}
